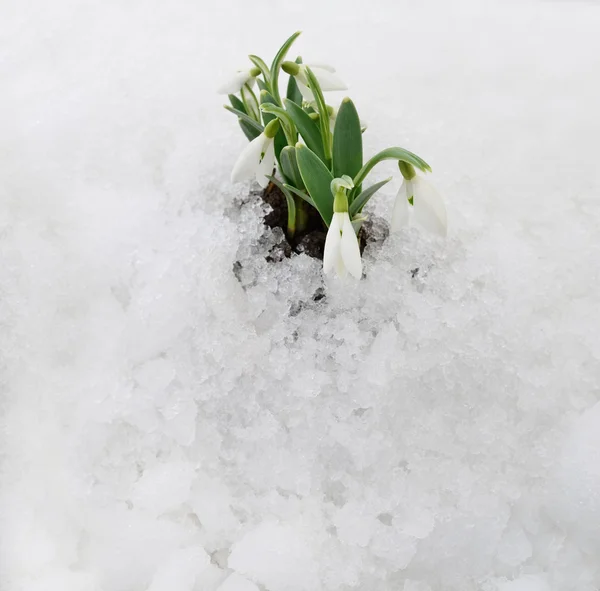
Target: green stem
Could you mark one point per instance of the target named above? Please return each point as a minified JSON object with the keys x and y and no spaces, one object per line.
{"x":291,"y":221}
{"x":291,"y":206}
{"x":291,"y":135}
{"x":260,"y":64}
{"x":390,"y":154}
{"x":301,"y":213}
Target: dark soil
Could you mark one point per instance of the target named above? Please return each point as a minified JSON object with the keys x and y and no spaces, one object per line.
{"x":311,"y":241}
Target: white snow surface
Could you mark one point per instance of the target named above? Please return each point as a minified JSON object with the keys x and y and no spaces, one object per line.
{"x":168,"y":424}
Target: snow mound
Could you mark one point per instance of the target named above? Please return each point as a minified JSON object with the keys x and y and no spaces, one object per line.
{"x":180,"y":413}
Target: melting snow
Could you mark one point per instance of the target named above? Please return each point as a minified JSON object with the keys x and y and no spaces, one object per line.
{"x":180,"y":414}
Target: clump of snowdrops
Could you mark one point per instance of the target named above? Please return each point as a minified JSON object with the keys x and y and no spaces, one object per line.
{"x":313,"y":152}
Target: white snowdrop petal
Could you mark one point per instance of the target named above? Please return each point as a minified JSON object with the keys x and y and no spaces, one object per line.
{"x":321,"y":66}
{"x":350,"y":250}
{"x":328,"y":80}
{"x":340,"y":268}
{"x":235,"y":83}
{"x":331,"y":254}
{"x":306,"y":92}
{"x":400,"y":213}
{"x":267,"y":164}
{"x":429,"y":207}
{"x":248,"y":160}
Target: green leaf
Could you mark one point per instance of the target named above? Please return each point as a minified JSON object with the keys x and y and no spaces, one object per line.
{"x":250,"y":132}
{"x":391,"y":154}
{"x":293,"y":92}
{"x":317,"y":179}
{"x":291,"y":205}
{"x":260,"y":64}
{"x":308,"y":129}
{"x":323,"y":114}
{"x":262,"y":85}
{"x":282,"y":114}
{"x":301,"y":194}
{"x":347,"y":141}
{"x":289,"y":166}
{"x":359,"y":202}
{"x":245,"y":118}
{"x":276,"y":66}
{"x":236,"y":103}
{"x":250,"y":102}
{"x":265,"y":97}
{"x":280,"y":144}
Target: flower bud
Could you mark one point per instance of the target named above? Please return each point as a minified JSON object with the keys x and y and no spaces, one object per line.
{"x":407,"y":170}
{"x":271,"y":128}
{"x":290,"y":68}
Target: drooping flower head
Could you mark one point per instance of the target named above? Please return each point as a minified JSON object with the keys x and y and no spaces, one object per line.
{"x":342,"y":253}
{"x":238,"y":80}
{"x":324,"y":74}
{"x":257,"y":159}
{"x":429,"y":210}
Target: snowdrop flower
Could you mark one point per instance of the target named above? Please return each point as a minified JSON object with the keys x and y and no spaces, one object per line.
{"x":237,"y":81}
{"x":258,"y":157}
{"x":342,"y":252}
{"x":324,"y":74}
{"x":428,"y":206}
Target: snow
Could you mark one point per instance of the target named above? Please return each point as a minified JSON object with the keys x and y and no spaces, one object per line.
{"x":575,"y":486}
{"x":235,"y":582}
{"x":525,"y":583}
{"x":179,"y":413}
{"x":277,"y":556}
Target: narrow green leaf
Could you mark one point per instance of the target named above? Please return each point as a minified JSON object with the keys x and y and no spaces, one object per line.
{"x":262,"y":85}
{"x":276,"y":66}
{"x":250,"y":132}
{"x":391,"y":154}
{"x":317,"y":179}
{"x":359,"y":202}
{"x":245,"y":118}
{"x":291,"y":205}
{"x":260,"y":64}
{"x":293,"y":92}
{"x":323,"y":114}
{"x":267,"y":99}
{"x":236,"y":103}
{"x":301,"y":194}
{"x":250,"y":102}
{"x":281,"y":113}
{"x":280,"y":143}
{"x":347,"y":141}
{"x":308,"y":129}
{"x":289,"y":166}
